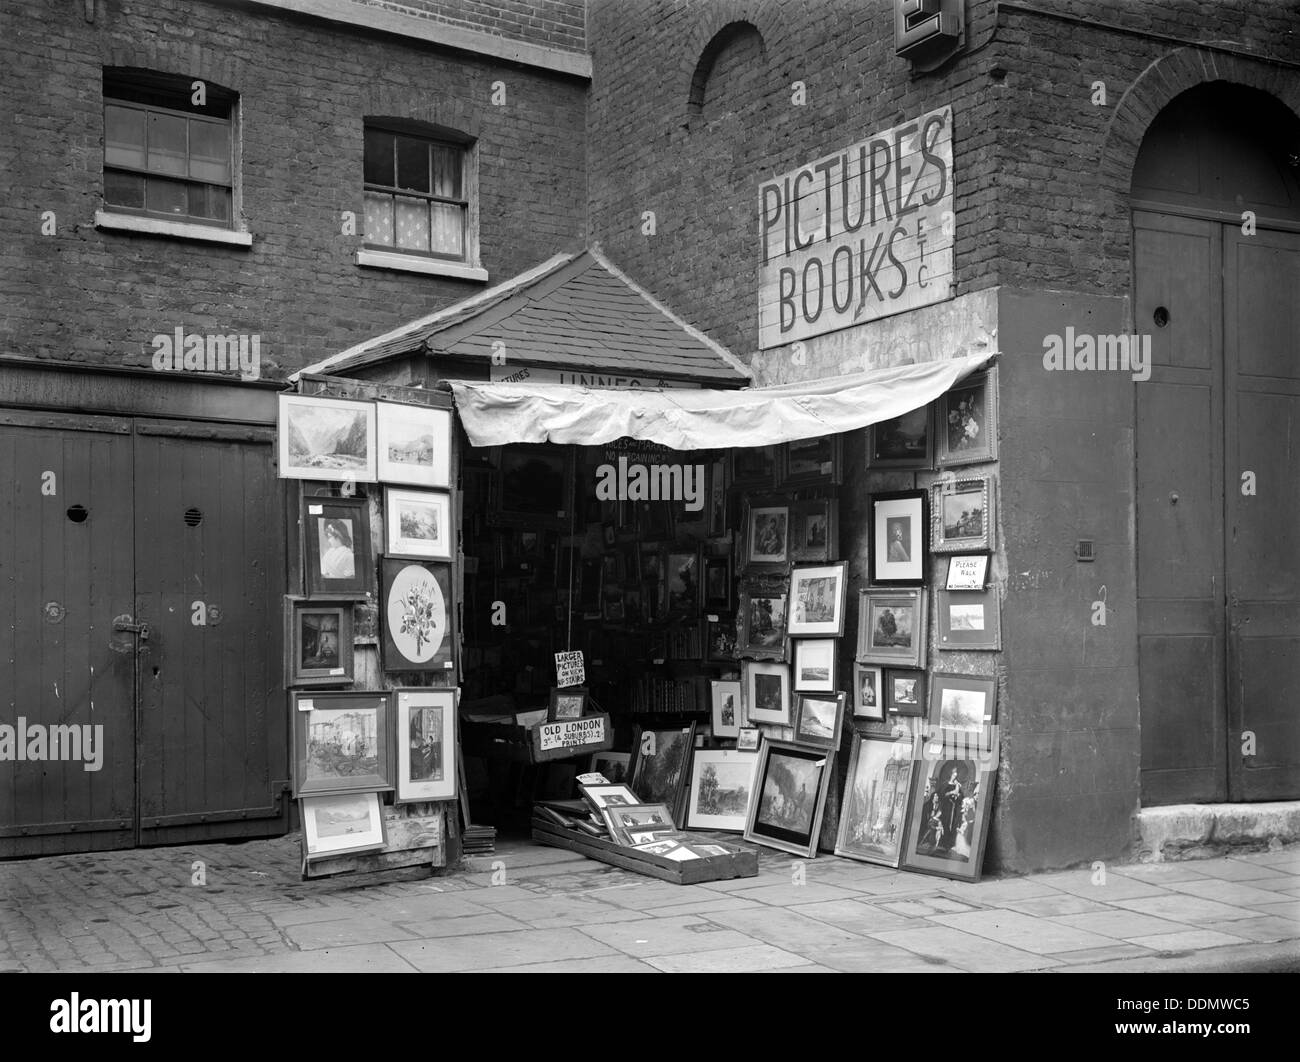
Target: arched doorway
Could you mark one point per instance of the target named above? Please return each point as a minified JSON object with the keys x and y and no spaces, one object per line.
{"x":1218,"y":448}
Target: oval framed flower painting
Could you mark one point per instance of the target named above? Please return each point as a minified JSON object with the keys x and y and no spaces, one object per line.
{"x":418,"y":633}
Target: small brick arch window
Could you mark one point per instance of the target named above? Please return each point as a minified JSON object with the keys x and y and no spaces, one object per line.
{"x":733,"y":48}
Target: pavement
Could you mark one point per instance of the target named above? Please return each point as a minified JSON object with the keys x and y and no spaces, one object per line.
{"x":243,"y":908}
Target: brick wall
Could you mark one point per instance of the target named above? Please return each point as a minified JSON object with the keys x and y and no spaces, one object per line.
{"x":96,"y":296}
{"x":558,"y":23}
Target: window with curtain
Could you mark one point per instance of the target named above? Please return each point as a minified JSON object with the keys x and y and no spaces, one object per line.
{"x":416,"y":196}
{"x":166,"y":156}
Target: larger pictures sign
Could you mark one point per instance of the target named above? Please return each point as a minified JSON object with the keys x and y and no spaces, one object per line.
{"x":863,"y":233}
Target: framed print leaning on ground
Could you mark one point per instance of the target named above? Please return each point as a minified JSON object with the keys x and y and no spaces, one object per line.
{"x":342,"y":824}
{"x":722,"y":782}
{"x":789,"y":797}
{"x":873,"y":816}
{"x":948,"y":823}
{"x":660,"y":764}
{"x":426,"y":744}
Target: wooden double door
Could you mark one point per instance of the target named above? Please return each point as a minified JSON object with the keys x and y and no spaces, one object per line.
{"x":141,"y":562}
{"x":1218,"y":510}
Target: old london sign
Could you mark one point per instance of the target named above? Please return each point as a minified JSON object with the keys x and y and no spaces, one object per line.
{"x":862,"y":233}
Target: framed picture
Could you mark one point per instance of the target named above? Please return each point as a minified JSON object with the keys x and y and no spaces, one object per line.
{"x":417,"y":524}
{"x":753,"y":467}
{"x":342,"y":824}
{"x":817,"y":600}
{"x":815,"y":530}
{"x":613,"y":765}
{"x":418,"y":617}
{"x":720,"y":639}
{"x":336,"y":532}
{"x":968,"y":572}
{"x":962,"y":515}
{"x":868,"y":692}
{"x":790,"y":785}
{"x":966,"y":425}
{"x":535,"y":485}
{"x":906,"y":441}
{"x":414,"y":445}
{"x":873,"y":815}
{"x":654,"y":521}
{"x":589,"y":577}
{"x":340,"y":742}
{"x":762,"y":626}
{"x":817,"y":721}
{"x":905,"y":692}
{"x":620,"y":819}
{"x":660,"y":764}
{"x":899,"y":523}
{"x":814,"y":664}
{"x":748,"y":738}
{"x":969,"y":619}
{"x":318,"y":641}
{"x":426,"y":744}
{"x":616,"y":794}
{"x":717,"y":520}
{"x":717,"y":584}
{"x":948,"y":821}
{"x":965,"y":703}
{"x":892,"y":627}
{"x":767,"y":536}
{"x":327,"y":439}
{"x":722,"y":781}
{"x":725,"y":701}
{"x":767,"y":692}
{"x":682,"y":581}
{"x":811,"y":461}
{"x":569,"y":703}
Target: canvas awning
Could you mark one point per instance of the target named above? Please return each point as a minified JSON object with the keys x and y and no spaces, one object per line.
{"x":495,"y":414}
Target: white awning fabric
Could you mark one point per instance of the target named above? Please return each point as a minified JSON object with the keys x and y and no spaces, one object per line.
{"x":495,"y":414}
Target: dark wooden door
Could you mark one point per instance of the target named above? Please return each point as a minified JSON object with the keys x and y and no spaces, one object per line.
{"x":210,"y":567}
{"x":66,"y":574}
{"x":1218,"y":566}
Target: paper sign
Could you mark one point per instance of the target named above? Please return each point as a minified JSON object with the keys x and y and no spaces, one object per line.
{"x":571,"y":733}
{"x":569,"y":669}
{"x":306,"y":705}
{"x":315,"y":510}
{"x":336,"y":671}
{"x":593,"y":778}
{"x":967,"y":573}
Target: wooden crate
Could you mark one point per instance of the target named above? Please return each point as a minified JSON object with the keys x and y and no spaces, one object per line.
{"x":739,"y":863}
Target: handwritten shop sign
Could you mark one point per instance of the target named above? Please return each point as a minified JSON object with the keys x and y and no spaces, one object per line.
{"x":571,"y":733}
{"x":863,"y":233}
{"x":569,"y":669}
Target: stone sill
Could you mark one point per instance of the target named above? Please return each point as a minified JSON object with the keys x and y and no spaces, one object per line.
{"x":180,"y":230}
{"x":407,"y":263}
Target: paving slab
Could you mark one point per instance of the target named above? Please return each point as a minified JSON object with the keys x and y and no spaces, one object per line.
{"x":493,"y":895}
{"x":1121,"y":925}
{"x":856,"y":916}
{"x":995,"y":891}
{"x":1233,"y":869}
{"x":1286,"y":909}
{"x":554,"y":912}
{"x":923,"y":907}
{"x":1180,"y":907}
{"x":650,"y":896}
{"x":668,"y":936}
{"x":360,"y":929}
{"x":873,"y":956}
{"x":1161,"y":873}
{"x":1116,"y":887}
{"x":1040,"y":936}
{"x":604,"y":964}
{"x":787,"y":895}
{"x":785,"y":928}
{"x":483,"y":951}
{"x":361,"y":958}
{"x":706,"y":905}
{"x":1109,"y":954}
{"x":1188,"y":940}
{"x":528,"y":855}
{"x":421,"y":907}
{"x":436,"y":928}
{"x":298,"y":916}
{"x":975,"y":954}
{"x":1267,"y":930}
{"x":753,"y":959}
{"x":1055,"y":906}
{"x":1238,"y":893}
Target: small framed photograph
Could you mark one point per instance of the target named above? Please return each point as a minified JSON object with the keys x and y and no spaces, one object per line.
{"x":318,"y":637}
{"x":660,"y":766}
{"x":767,"y":536}
{"x":966,"y":425}
{"x":818,"y":718}
{"x":814,"y":664}
{"x":417,"y":617}
{"x":962,"y":515}
{"x":569,"y":703}
{"x":873,"y":815}
{"x":748,"y":738}
{"x":868,"y":692}
{"x":905,"y":692}
{"x":616,"y":794}
{"x":815,"y":534}
{"x":535,"y":485}
{"x":753,"y":467}
{"x":621,"y":818}
{"x":682,"y":581}
{"x":717,"y":520}
{"x":906,"y":441}
{"x":892,"y":627}
{"x":342,"y":824}
{"x":767,"y":692}
{"x":964,"y":703}
{"x":817,"y":598}
{"x":336,"y":532}
{"x":811,"y":461}
{"x":722,"y":781}
{"x":326,"y":439}
{"x":426,"y":744}
{"x":790,"y":784}
{"x":948,"y":820}
{"x":613,"y":765}
{"x":899,"y":523}
{"x":968,"y":572}
{"x":717,"y":584}
{"x":725,"y":701}
{"x":720,"y":639}
{"x":762,"y":627}
{"x":414,"y":445}
{"x":417,"y":524}
{"x":969,"y":619}
{"x":340,"y":741}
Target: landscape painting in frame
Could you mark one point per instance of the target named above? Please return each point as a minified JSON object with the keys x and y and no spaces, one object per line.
{"x":722,"y":781}
{"x":327,"y":439}
{"x":949,"y":819}
{"x":417,"y":523}
{"x":762,"y":622}
{"x":905,"y":441}
{"x":790,"y":785}
{"x":965,"y":703}
{"x":818,"y":719}
{"x":873,"y":817}
{"x":417,"y":619}
{"x":342,"y":824}
{"x":658,"y":773}
{"x":613,"y":765}
{"x":817,"y":600}
{"x":426,"y":744}
{"x":340,"y":742}
{"x":892,"y":627}
{"x":414,"y":445}
{"x":962,"y":516}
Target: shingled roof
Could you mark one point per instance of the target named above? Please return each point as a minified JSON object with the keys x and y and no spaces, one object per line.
{"x":575,"y":311}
